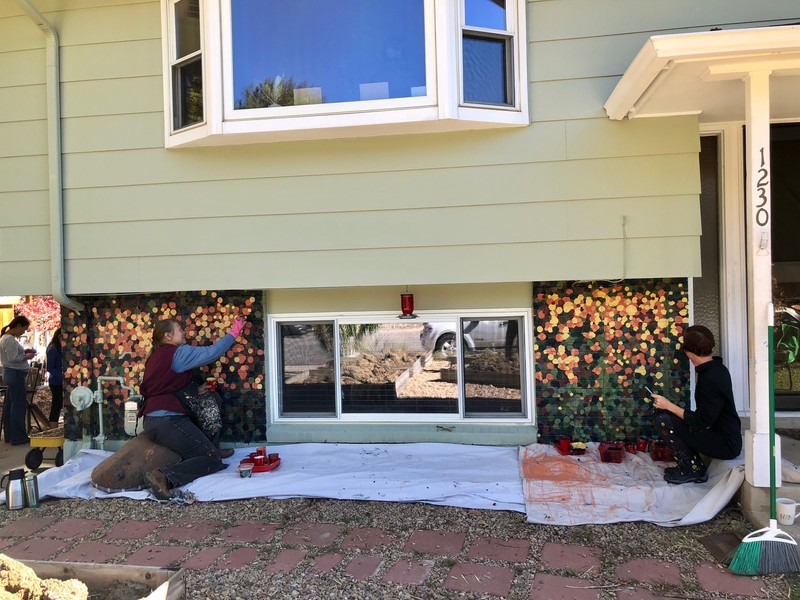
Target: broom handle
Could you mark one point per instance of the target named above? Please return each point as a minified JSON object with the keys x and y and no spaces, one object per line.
{"x":773,"y":511}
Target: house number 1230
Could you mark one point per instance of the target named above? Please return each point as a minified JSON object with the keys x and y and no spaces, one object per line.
{"x":762,"y":213}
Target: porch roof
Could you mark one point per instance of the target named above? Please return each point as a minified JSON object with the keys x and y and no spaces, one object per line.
{"x":703,"y":73}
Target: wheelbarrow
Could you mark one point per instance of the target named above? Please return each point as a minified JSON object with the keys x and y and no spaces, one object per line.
{"x":49,"y":438}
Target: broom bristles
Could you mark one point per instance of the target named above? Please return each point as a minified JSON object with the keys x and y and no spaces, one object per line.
{"x":762,"y":557}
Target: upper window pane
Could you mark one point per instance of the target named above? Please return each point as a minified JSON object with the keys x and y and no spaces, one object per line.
{"x":292,"y":52}
{"x":187,"y":27}
{"x":486,"y":70}
{"x":490,"y":14}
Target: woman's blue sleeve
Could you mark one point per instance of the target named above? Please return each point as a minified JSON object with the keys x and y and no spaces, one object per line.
{"x":190,"y":357}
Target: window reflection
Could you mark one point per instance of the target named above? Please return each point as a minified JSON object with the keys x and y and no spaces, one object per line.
{"x":485,"y":70}
{"x":384,"y":369}
{"x":491,"y":367}
{"x":308,"y":386}
{"x":490,"y":14}
{"x":290,"y":52}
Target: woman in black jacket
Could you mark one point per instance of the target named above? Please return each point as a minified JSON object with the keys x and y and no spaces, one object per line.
{"x":713,"y":428}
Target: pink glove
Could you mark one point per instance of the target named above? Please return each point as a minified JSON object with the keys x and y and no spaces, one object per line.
{"x":236,"y":328}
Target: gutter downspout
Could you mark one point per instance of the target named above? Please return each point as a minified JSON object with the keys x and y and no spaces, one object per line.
{"x":54,"y":155}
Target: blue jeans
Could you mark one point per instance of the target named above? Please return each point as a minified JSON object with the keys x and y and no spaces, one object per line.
{"x":15,"y":406}
{"x":181,"y":435}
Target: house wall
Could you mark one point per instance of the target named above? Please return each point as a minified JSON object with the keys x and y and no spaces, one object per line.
{"x":595,"y":346}
{"x":543,"y":202}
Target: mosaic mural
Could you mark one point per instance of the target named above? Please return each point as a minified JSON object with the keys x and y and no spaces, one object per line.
{"x":597,"y":345}
{"x":112,"y":337}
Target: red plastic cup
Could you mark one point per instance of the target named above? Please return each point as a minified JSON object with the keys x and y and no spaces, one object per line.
{"x":259,"y":460}
{"x":272,"y":457}
{"x":212,"y":384}
{"x":641,"y":445}
{"x":564,"y":443}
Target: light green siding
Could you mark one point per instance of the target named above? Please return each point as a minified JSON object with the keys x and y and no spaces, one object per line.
{"x":366,"y":299}
{"x":528,"y":204}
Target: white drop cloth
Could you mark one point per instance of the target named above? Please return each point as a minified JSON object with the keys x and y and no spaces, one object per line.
{"x":579,"y":490}
{"x":446,"y":474}
{"x":535,"y":479}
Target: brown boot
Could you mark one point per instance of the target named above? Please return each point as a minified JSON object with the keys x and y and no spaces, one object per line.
{"x":225,"y":452}
{"x":159,"y":484}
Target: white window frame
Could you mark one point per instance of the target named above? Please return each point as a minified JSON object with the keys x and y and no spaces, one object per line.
{"x":441,"y":109}
{"x":525,"y":357}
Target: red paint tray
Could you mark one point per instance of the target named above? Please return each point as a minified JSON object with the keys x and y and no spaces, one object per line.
{"x":264,"y":468}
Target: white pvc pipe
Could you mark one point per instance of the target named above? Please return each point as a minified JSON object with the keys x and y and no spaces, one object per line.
{"x":54,"y":154}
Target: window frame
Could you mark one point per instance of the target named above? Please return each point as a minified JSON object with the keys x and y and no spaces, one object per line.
{"x":525,"y":342}
{"x":441,"y":109}
{"x":511,"y":34}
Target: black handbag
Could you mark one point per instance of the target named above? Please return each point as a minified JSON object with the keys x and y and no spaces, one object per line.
{"x":202,"y":407}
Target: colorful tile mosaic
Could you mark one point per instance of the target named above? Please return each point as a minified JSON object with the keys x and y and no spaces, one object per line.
{"x":597,"y":345}
{"x":113,"y":337}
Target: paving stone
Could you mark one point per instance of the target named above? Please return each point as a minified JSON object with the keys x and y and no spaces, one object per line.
{"x":714,"y":578}
{"x":69,"y":529}
{"x":573,"y":558}
{"x":363,"y":566}
{"x":238,"y":558}
{"x":25,"y":527}
{"x":249,"y":531}
{"x":447,"y":543}
{"x":312,"y":534}
{"x":205,"y":558}
{"x":638,"y":594}
{"x":480,"y":579}
{"x":158,"y":556}
{"x":190,"y":530}
{"x":368,"y":538}
{"x":93,"y":552}
{"x":408,"y":572}
{"x":326,"y":563}
{"x":130,"y":529}
{"x":555,"y":587}
{"x":38,"y":549}
{"x":286,"y":561}
{"x":650,"y":570}
{"x":513,"y":550}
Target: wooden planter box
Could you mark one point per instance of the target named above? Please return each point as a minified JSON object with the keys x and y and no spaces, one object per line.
{"x":510,"y":380}
{"x":165,"y":584}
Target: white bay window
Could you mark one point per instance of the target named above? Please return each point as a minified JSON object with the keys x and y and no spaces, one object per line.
{"x":244,"y":71}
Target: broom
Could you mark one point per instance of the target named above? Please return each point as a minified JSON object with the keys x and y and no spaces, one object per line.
{"x":768,"y":550}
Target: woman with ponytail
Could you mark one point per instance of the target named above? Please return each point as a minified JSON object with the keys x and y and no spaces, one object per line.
{"x":167,"y":370}
{"x":14,"y":359}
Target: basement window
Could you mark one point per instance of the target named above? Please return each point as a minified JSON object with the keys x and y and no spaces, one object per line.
{"x":455,"y":367}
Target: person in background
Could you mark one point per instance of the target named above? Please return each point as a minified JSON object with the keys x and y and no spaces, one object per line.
{"x":713,"y":428}
{"x":14,"y":359}
{"x":168,"y":369}
{"x":55,"y":377}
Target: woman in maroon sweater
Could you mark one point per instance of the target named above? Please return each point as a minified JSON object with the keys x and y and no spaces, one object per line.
{"x":167,"y":370}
